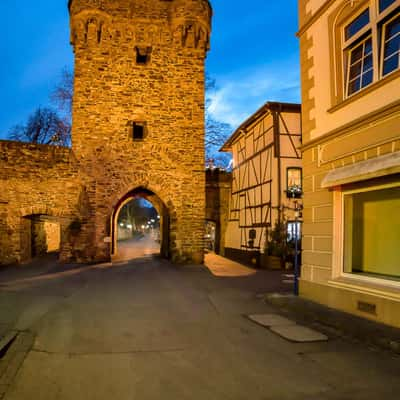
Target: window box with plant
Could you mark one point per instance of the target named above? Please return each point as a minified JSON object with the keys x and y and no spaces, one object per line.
{"x":294,"y":192}
{"x":294,"y":180}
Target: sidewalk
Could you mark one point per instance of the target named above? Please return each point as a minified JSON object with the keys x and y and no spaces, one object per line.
{"x":324,"y":319}
{"x":336,"y":323}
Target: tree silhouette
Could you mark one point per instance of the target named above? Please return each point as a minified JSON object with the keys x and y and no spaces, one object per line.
{"x":44,"y":126}
{"x":217,"y":132}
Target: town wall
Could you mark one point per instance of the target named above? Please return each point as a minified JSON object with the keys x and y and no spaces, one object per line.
{"x":36,"y":180}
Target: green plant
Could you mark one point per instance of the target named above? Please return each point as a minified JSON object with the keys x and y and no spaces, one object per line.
{"x":277,"y":244}
{"x":294,"y":191}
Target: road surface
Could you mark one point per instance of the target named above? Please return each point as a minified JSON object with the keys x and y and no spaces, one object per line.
{"x":145,"y":329}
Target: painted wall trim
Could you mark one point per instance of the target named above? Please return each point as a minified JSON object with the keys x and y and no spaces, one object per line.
{"x":359,"y":122}
{"x":363,"y":170}
{"x":314,"y":17}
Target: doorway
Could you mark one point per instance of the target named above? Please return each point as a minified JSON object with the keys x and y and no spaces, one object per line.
{"x":40,"y":235}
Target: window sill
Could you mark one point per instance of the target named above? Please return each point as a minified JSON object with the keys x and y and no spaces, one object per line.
{"x":374,"y":86}
{"x":371,"y":286}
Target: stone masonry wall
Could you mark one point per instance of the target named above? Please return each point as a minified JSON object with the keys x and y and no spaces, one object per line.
{"x":218,"y":193}
{"x":165,"y":95}
{"x":35,"y":180}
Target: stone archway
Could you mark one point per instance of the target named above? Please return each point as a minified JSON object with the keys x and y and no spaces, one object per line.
{"x":162,"y":210}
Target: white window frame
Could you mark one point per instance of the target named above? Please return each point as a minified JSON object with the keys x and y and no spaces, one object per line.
{"x":338,"y":250}
{"x":356,"y":44}
{"x":350,"y":44}
{"x":384,"y":26}
{"x":373,"y":27}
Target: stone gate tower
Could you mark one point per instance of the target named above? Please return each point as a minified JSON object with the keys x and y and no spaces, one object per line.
{"x":138,"y":118}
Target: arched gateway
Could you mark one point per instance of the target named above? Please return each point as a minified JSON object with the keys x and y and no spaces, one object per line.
{"x":138,"y":116}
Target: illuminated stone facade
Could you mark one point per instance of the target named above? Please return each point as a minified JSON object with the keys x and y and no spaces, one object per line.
{"x":138,"y":124}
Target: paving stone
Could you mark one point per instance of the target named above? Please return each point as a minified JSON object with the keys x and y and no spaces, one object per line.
{"x":270,"y":320}
{"x":298,"y":333}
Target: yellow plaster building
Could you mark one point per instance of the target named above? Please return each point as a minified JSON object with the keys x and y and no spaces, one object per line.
{"x":350,"y":60}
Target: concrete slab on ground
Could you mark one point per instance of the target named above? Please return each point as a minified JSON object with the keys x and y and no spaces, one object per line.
{"x":298,"y":333}
{"x":269,"y":320}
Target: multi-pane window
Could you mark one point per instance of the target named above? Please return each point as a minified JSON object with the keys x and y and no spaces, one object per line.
{"x":371,"y":44}
{"x":360,"y":71}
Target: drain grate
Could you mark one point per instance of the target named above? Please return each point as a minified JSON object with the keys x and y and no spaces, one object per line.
{"x":6,"y":342}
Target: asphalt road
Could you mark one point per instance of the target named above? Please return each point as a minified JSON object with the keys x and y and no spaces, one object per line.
{"x":144,"y":329}
{"x":136,"y":248}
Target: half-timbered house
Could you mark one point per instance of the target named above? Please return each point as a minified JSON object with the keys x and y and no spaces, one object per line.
{"x":266,"y":178}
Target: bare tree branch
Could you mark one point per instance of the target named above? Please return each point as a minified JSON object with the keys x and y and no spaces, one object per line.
{"x":63,"y":92}
{"x":44,"y":126}
{"x":217,"y":132}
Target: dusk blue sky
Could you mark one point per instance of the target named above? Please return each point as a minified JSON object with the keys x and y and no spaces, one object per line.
{"x":254,"y":56}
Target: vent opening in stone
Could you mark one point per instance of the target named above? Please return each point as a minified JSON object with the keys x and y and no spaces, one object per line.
{"x":138,"y":131}
{"x":143,"y":55}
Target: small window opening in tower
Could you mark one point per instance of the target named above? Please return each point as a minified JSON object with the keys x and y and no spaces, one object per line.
{"x":143,"y":55}
{"x":138,"y":130}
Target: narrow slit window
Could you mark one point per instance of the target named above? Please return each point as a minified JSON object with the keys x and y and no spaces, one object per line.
{"x":143,"y":55}
{"x":138,"y":130}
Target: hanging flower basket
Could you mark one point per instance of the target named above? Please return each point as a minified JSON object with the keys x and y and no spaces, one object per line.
{"x":294,"y":192}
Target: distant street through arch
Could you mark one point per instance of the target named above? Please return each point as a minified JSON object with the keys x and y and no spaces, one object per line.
{"x":140,"y":226}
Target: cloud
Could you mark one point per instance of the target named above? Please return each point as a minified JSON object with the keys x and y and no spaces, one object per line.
{"x":241,"y":93}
